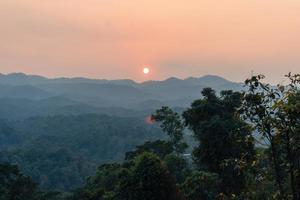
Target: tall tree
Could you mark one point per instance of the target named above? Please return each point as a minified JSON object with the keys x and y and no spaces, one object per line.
{"x":201,"y":186}
{"x":275,"y":113}
{"x":225,"y":142}
{"x":14,"y":185}
{"x":148,"y":179}
{"x":171,"y":124}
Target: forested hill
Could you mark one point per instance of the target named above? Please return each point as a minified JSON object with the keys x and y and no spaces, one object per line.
{"x":60,"y":152}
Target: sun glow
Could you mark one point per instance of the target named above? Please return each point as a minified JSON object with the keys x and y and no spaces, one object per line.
{"x":146,"y":70}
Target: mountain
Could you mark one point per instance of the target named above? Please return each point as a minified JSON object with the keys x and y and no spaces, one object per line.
{"x":21,"y":79}
{"x":25,"y":79}
{"x":102,"y":93}
{"x":20,"y":108}
{"x":23,"y":91}
{"x":106,"y":94}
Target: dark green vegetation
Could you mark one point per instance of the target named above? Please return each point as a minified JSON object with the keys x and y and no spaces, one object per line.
{"x":137,"y":161}
{"x":59,"y":152}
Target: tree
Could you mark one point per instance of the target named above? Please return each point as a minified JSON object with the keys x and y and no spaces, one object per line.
{"x":177,"y":166}
{"x":159,"y":147}
{"x":148,"y":179}
{"x":275,"y":113}
{"x":101,"y":186}
{"x":171,"y":124}
{"x":14,"y":185}
{"x":201,"y":186}
{"x":226,"y":146}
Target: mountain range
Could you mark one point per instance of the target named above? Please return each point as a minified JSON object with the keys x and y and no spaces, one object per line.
{"x":23,"y":95}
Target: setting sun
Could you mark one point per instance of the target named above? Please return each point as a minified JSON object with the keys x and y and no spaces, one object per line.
{"x":146,"y":70}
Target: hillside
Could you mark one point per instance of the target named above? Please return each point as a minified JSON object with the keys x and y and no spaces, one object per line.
{"x":60,"y":152}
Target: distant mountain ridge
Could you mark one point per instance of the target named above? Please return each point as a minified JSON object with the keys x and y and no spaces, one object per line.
{"x":26,"y":79}
{"x":93,"y":95}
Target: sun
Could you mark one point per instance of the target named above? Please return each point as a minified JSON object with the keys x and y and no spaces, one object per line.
{"x":146,"y":70}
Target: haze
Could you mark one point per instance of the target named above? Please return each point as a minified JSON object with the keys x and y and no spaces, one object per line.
{"x":115,"y":39}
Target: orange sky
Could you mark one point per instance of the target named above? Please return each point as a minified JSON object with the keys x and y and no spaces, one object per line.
{"x":115,"y":38}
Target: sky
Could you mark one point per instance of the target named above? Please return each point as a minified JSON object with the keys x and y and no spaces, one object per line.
{"x":115,"y":39}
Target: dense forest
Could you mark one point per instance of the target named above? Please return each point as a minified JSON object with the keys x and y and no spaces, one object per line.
{"x":225,"y":145}
{"x":59,"y":152}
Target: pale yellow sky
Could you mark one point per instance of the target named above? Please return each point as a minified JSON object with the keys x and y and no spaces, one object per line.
{"x":115,"y":38}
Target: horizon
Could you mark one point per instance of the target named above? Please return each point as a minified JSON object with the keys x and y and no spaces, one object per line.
{"x":90,"y":78}
{"x":267,"y":79}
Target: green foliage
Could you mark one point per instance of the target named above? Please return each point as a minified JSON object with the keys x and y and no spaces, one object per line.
{"x":226,"y":145}
{"x":177,"y":166}
{"x":260,"y":179}
{"x":106,"y":177}
{"x":148,"y":179}
{"x":145,"y":178}
{"x":14,"y":185}
{"x":103,"y":185}
{"x":159,"y":147}
{"x":275,"y":113}
{"x":60,"y":152}
{"x":172,"y":125}
{"x":201,"y":186}
{"x":53,"y":195}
